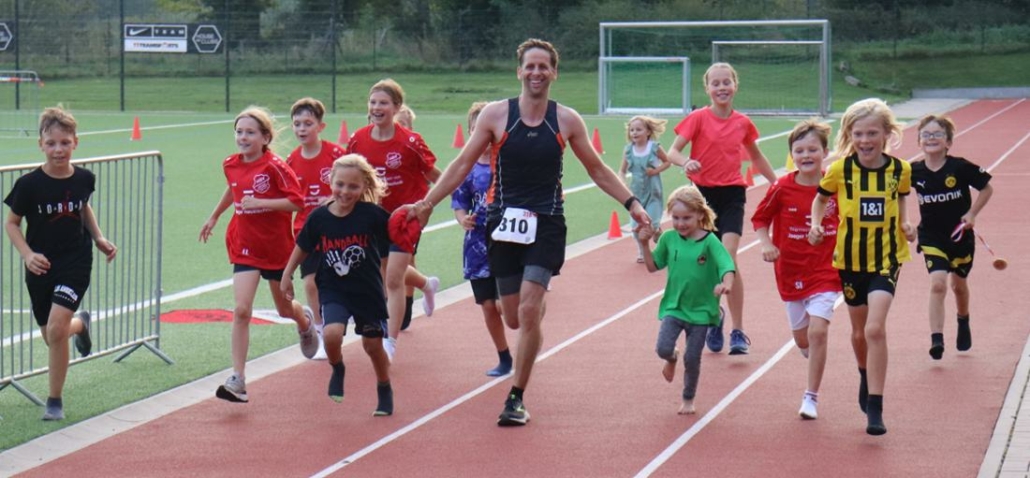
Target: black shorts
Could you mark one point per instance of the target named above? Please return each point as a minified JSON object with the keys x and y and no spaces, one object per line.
{"x":728,"y":203}
{"x":337,"y":313}
{"x":65,"y":286}
{"x":484,"y":289}
{"x":858,"y":285}
{"x":943,"y":254}
{"x":548,"y":251}
{"x":266,"y":274}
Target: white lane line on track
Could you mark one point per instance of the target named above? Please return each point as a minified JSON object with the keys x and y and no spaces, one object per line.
{"x":472,"y":394}
{"x":149,"y":128}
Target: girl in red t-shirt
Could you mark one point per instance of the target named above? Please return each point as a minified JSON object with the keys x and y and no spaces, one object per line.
{"x":407,"y":166}
{"x":721,"y":138}
{"x":264,"y":193}
{"x":312,"y":161}
{"x":807,"y":280}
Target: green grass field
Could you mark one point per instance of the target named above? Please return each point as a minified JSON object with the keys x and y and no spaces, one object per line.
{"x":193,"y":145}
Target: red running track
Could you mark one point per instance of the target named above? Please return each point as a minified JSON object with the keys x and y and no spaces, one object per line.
{"x":598,"y":402}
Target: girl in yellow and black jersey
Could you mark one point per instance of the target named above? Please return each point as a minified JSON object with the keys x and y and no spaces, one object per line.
{"x":872,"y":237}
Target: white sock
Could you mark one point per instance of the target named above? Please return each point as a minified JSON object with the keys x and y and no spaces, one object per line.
{"x":813,"y":395}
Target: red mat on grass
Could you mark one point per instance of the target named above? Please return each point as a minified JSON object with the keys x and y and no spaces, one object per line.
{"x":193,"y":316}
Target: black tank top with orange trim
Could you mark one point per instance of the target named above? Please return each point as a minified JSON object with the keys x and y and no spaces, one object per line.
{"x":527,"y":165}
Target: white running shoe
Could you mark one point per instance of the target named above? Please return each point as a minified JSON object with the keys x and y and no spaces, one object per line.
{"x":808,"y":408}
{"x":234,"y":390}
{"x":429,"y":295}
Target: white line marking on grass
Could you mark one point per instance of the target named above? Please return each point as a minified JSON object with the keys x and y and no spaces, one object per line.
{"x":691,"y":432}
{"x":149,"y":128}
{"x":472,"y":394}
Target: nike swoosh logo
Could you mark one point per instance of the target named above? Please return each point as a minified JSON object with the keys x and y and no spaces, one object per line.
{"x":136,"y":31}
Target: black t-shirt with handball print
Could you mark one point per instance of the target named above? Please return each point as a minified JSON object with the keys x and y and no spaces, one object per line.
{"x":52,"y":207}
{"x":347,"y":248}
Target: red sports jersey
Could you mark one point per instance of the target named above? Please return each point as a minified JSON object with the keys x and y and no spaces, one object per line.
{"x":260,"y":238}
{"x":313,"y":175}
{"x":401,"y":162}
{"x":718,"y":144}
{"x":802,"y":269}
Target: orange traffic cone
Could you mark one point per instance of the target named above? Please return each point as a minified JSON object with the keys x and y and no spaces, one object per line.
{"x":790,"y":163}
{"x":596,"y":142}
{"x":749,"y":179}
{"x":614,"y":229}
{"x":344,"y":134}
{"x":136,"y":134}
{"x":459,"y":138}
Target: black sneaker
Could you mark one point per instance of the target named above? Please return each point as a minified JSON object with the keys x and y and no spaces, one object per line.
{"x":83,"y":341}
{"x":385,"y":407}
{"x":964,"y":340}
{"x":874,"y":425}
{"x":514,"y":414}
{"x":937,"y":346}
{"x":336,"y":382}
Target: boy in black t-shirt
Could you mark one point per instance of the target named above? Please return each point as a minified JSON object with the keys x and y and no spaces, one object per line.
{"x":54,"y":200}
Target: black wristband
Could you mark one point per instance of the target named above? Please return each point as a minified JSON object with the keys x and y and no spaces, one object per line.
{"x":629,"y":202}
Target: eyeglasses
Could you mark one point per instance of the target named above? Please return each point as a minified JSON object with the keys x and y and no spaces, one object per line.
{"x":933,"y":135}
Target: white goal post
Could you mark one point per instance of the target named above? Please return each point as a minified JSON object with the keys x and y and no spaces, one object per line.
{"x":644,"y":85}
{"x":784,"y":65}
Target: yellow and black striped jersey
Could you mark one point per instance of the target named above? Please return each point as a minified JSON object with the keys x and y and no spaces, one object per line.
{"x":869,"y":238}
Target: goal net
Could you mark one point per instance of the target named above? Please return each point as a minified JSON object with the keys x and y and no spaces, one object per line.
{"x":644,"y":85}
{"x":784,"y":65}
{"x":19,"y":102}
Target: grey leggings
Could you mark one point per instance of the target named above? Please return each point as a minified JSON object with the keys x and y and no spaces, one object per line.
{"x":667,"y":335}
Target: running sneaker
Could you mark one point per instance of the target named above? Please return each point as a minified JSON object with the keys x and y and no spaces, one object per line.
{"x":714,"y":340}
{"x":429,"y":295}
{"x":309,"y":341}
{"x":385,"y":406}
{"x":83,"y":340}
{"x":336,"y":382}
{"x":54,"y":410}
{"x":514,"y":414}
{"x":808,"y":407}
{"x":503,"y":368}
{"x":936,"y":346}
{"x":234,"y":390}
{"x":739,"y":342}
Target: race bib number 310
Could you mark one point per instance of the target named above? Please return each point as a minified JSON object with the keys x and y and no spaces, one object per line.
{"x":517,"y":225}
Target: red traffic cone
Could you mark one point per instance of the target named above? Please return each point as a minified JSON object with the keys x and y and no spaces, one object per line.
{"x":749,"y":179}
{"x":136,"y":134}
{"x":596,"y":142}
{"x":459,"y":138}
{"x":344,"y":134}
{"x":614,"y":229}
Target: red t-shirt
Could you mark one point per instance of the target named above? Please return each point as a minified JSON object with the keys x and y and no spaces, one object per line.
{"x":260,"y":238}
{"x":718,"y":144}
{"x":401,"y":162}
{"x":313,"y":175}
{"x":802,"y":269}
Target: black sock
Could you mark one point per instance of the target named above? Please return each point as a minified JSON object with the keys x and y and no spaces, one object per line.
{"x":57,"y":402}
{"x":936,"y":345}
{"x":863,"y":391}
{"x":516,"y":392}
{"x":875,"y":416}
{"x":963,"y":340}
{"x":408,"y":302}
{"x":504,"y":356}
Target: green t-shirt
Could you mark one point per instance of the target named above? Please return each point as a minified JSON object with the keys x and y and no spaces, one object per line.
{"x":695,"y":268}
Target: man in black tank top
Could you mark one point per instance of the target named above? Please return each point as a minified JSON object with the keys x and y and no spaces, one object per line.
{"x":526,"y":215}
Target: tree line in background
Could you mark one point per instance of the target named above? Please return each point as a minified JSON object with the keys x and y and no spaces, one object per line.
{"x":82,"y":38}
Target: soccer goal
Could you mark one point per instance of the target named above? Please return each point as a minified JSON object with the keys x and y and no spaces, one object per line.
{"x":784,"y":65}
{"x":644,"y":85}
{"x":19,"y":102}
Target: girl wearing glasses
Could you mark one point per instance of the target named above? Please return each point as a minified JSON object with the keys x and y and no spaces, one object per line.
{"x":948,"y":213}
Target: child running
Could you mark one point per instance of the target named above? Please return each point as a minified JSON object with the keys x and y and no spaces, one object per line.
{"x":264,"y":194}
{"x":645,"y":160}
{"x":947,"y":217}
{"x":872,"y":236}
{"x":344,"y":238}
{"x":805,"y":275}
{"x":54,"y":201}
{"x":721,"y":137}
{"x":693,"y":285}
{"x":469,"y":204}
{"x":312,"y":162}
